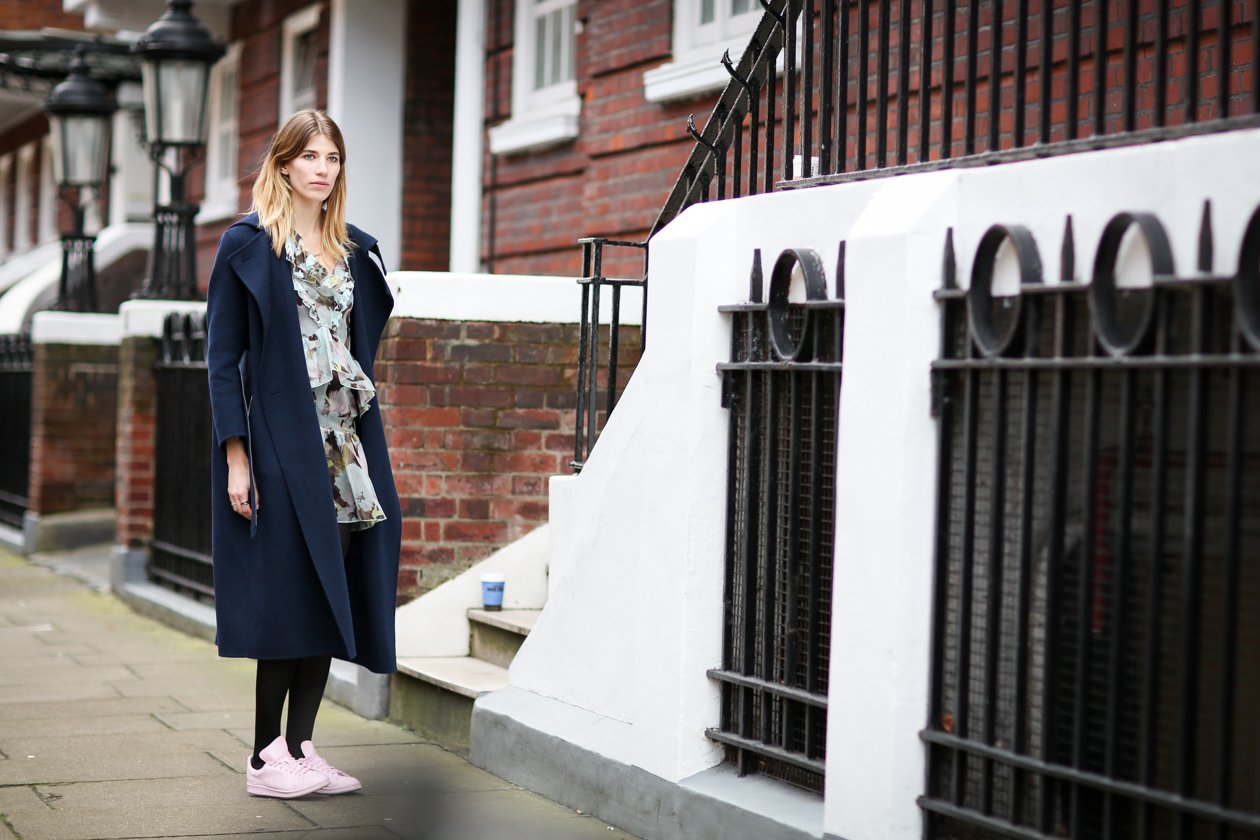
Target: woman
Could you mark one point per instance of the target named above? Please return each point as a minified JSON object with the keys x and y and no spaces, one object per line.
{"x":305,"y":517}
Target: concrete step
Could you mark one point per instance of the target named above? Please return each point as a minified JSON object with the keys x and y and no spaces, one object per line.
{"x":434,"y":695}
{"x":498,"y":635}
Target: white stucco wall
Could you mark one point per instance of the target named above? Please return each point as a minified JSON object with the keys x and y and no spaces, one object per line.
{"x":634,"y":615}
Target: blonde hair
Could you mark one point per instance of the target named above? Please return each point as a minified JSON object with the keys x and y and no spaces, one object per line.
{"x":273,"y":194}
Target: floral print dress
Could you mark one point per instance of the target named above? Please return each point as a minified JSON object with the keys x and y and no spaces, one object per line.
{"x":340,"y":388}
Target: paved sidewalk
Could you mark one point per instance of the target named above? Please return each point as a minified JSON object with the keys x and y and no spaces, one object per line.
{"x":114,"y":726}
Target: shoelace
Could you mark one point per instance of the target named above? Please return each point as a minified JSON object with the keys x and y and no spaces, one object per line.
{"x":290,"y":765}
{"x":319,"y":765}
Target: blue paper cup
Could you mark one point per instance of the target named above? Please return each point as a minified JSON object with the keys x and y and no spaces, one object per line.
{"x":492,"y":591}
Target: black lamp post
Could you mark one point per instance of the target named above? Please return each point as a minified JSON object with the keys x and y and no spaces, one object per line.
{"x":176,"y":54}
{"x":79,"y":110}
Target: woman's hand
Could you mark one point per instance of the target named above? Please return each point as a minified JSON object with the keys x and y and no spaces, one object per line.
{"x":238,"y":479}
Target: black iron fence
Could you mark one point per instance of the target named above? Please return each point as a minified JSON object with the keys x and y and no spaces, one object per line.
{"x":1097,"y":576}
{"x":16,"y":360}
{"x":179,"y":554}
{"x":782,"y":387}
{"x":835,"y":90}
{"x":879,"y":87}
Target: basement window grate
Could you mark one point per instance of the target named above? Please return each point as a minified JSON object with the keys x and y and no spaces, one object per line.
{"x":782,"y":388}
{"x":1096,"y":630}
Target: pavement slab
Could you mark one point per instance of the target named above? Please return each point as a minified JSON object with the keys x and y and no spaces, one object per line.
{"x":116,"y":727}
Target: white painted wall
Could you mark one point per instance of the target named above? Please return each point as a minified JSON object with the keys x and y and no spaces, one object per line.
{"x":436,"y":624}
{"x":514,"y":298}
{"x":366,"y":73}
{"x":634,"y":617}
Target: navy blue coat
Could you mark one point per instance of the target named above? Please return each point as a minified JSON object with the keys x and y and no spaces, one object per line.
{"x":282,"y":588}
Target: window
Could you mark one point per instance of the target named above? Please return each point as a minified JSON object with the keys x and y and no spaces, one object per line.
{"x":702,"y":30}
{"x":48,"y":228}
{"x":299,"y":51}
{"x":545,"y":102}
{"x":222,"y":188}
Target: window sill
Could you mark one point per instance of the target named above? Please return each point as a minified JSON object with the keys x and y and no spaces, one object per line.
{"x":553,"y":126}
{"x":215,"y":211}
{"x":694,"y":73}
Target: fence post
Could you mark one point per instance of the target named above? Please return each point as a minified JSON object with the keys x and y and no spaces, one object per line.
{"x":137,"y":427}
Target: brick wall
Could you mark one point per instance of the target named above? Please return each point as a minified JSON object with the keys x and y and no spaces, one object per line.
{"x":611,"y":180}
{"x":428,"y":135}
{"x":137,"y":420}
{"x":478,"y":415}
{"x":258,"y":26}
{"x":74,"y":398}
{"x":36,"y":14}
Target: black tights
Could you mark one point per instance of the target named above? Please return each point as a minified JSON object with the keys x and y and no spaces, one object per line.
{"x":302,"y":681}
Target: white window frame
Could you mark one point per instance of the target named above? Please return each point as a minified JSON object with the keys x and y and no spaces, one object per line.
{"x":545,"y":116}
{"x":48,"y":228}
{"x":6,"y":169}
{"x":697,"y":49}
{"x":222,"y":193}
{"x":22,"y":240}
{"x":295,"y":26}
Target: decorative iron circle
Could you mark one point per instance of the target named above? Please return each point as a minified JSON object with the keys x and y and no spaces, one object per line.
{"x":786,"y":346}
{"x":1247,"y":283}
{"x":995,"y":319}
{"x":1123,"y":316}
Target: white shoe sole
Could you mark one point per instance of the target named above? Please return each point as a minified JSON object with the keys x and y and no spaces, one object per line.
{"x":261,"y":790}
{"x":330,"y":791}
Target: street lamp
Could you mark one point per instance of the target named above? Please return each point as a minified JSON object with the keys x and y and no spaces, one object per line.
{"x":176,"y":54}
{"x":79,"y":111}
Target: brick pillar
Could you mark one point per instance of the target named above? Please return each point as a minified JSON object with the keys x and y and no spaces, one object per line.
{"x":74,"y":391}
{"x":137,"y":427}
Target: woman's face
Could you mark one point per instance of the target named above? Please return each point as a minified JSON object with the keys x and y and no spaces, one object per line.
{"x":314,"y":171}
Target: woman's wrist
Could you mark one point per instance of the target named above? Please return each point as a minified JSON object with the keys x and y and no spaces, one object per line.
{"x":235,"y":448}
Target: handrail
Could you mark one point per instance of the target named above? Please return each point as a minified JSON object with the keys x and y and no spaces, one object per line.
{"x":872,"y":88}
{"x":755,"y":71}
{"x":592,"y":281}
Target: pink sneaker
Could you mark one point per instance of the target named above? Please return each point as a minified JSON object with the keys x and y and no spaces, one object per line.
{"x":338,"y":781}
{"x":282,"y":776}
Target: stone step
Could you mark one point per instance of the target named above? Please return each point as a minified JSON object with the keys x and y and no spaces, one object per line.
{"x":498,"y":635}
{"x":434,"y":695}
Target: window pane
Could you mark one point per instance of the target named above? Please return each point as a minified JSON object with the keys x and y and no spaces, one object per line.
{"x":557,"y":30}
{"x":540,"y":53}
{"x":708,"y":11}
{"x":739,"y":7}
{"x":304,"y":70}
{"x":227,"y":125}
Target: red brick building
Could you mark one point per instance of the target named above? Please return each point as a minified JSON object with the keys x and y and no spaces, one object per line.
{"x":523,"y":125}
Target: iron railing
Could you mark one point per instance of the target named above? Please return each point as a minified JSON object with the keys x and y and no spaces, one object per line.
{"x":782,"y":387}
{"x":590,"y":374}
{"x":179,"y":554}
{"x":865,"y":83}
{"x":16,"y":363}
{"x":864,"y":86}
{"x":1097,"y":578}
